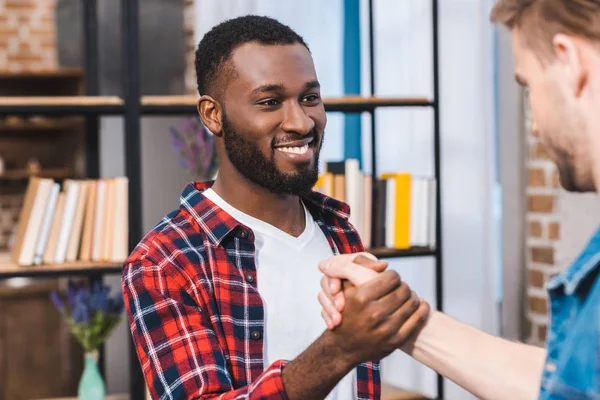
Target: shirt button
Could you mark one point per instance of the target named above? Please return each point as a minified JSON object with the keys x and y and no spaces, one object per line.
{"x":250,"y":278}
{"x":243,"y":234}
{"x":255,"y":335}
{"x":550,"y":367}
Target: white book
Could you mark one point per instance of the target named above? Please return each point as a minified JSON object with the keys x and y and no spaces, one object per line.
{"x":425,"y":208}
{"x":35,"y":222}
{"x":46,"y":224}
{"x":67,"y":221}
{"x":390,"y":213}
{"x":354,"y":193}
{"x":98,"y":221}
{"x":414,"y":211}
{"x":432,"y":214}
{"x":366,"y":235}
{"x":121,"y":226}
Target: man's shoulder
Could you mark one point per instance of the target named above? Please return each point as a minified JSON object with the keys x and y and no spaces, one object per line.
{"x":328,"y":207}
{"x":176,"y":234}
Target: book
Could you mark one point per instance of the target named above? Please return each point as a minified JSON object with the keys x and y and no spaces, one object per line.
{"x":44,"y":235}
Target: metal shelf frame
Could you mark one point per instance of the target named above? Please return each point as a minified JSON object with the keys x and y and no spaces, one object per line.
{"x":132,"y":107}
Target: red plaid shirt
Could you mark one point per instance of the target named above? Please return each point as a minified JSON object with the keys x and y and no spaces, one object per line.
{"x":194,"y":310}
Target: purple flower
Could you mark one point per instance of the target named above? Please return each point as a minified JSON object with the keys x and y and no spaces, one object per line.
{"x":57,"y":301}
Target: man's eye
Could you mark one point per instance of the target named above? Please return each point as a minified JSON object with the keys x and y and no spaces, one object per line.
{"x":270,"y":103}
{"x":311,"y":98}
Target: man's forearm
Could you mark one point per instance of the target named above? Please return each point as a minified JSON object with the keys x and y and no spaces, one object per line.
{"x":315,"y":372}
{"x":489,"y":367}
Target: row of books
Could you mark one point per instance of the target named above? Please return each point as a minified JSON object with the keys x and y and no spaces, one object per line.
{"x":397,"y":210}
{"x":84,"y":220}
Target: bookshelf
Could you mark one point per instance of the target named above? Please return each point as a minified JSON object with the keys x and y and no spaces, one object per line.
{"x":133,"y":106}
{"x":9,"y":269}
{"x":23,"y":174}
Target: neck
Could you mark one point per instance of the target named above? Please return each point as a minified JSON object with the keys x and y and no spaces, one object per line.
{"x":283,"y":211}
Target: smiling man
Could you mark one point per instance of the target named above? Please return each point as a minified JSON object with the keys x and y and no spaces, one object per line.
{"x":221,"y":295}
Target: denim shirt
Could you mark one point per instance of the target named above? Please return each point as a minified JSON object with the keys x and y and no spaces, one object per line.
{"x":572,"y":369}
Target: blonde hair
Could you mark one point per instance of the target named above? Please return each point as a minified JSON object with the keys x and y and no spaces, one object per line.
{"x":540,"y":20}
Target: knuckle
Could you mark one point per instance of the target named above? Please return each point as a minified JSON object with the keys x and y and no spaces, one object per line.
{"x":405,"y":291}
{"x":376,"y":316}
{"x":361,"y":298}
{"x":400,"y":339}
{"x":393,"y":277}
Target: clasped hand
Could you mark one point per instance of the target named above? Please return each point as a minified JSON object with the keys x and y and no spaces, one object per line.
{"x":369,"y":307}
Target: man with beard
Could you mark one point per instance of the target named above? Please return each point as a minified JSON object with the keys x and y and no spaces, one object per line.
{"x":221,"y":295}
{"x":556,"y":44}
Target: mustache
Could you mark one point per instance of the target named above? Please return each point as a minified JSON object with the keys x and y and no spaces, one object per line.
{"x":313,"y":134}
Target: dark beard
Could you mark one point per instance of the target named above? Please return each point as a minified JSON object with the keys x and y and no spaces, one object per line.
{"x":254,"y":166}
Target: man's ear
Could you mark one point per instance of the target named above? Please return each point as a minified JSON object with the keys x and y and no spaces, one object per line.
{"x":570,"y":52}
{"x":210,"y":113}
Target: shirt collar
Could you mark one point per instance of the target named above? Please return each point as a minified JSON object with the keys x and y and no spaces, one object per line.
{"x":218,"y":224}
{"x":587,"y":262}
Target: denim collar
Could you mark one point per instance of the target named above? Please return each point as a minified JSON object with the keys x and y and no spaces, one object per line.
{"x":587,"y":262}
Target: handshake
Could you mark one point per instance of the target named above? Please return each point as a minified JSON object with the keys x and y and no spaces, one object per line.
{"x":369,"y":311}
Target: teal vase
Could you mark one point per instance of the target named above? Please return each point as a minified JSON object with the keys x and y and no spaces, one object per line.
{"x":91,"y":384}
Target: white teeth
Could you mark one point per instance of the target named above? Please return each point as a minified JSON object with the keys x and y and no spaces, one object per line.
{"x":294,"y":150}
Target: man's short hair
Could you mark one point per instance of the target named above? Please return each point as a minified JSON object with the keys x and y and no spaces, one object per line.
{"x":213,"y":55}
{"x":541,"y":20}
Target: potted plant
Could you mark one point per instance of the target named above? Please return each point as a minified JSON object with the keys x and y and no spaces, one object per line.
{"x":91,"y":314}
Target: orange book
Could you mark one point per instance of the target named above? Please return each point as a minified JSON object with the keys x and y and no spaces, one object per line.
{"x":402,"y":217}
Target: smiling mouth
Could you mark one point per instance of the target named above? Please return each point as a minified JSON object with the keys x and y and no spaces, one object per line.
{"x":294,"y":149}
{"x":300,"y":147}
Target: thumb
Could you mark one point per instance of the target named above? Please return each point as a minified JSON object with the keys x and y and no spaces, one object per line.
{"x":354,"y":273}
{"x":375,"y":265}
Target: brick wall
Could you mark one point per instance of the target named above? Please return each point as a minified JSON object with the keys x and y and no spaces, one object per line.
{"x":189,"y":18}
{"x":543,"y":235}
{"x":27,"y":43}
{"x":27,"y":35}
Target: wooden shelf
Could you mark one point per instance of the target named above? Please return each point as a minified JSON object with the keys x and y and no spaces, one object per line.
{"x":22,"y":174}
{"x":8,"y":269}
{"x":381,"y":252}
{"x":108,"y":397}
{"x":42,"y":74}
{"x":60,"y":105}
{"x":38,"y":124}
{"x":168,"y":105}
{"x":377,"y":101}
{"x":183,"y":100}
{"x":389,"y":392}
{"x":186,"y":104}
{"x":60,"y":101}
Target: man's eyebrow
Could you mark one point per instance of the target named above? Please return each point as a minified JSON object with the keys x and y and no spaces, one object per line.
{"x":312,"y":85}
{"x":278,"y":87}
{"x":268,"y":88}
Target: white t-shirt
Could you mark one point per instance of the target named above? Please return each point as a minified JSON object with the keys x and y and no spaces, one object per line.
{"x":288,"y":280}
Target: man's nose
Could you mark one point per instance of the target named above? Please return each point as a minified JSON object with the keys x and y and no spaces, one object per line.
{"x":296,"y":120}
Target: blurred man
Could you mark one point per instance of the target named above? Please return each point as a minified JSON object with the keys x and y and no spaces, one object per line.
{"x":222,"y":295}
{"x":557,"y":57}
